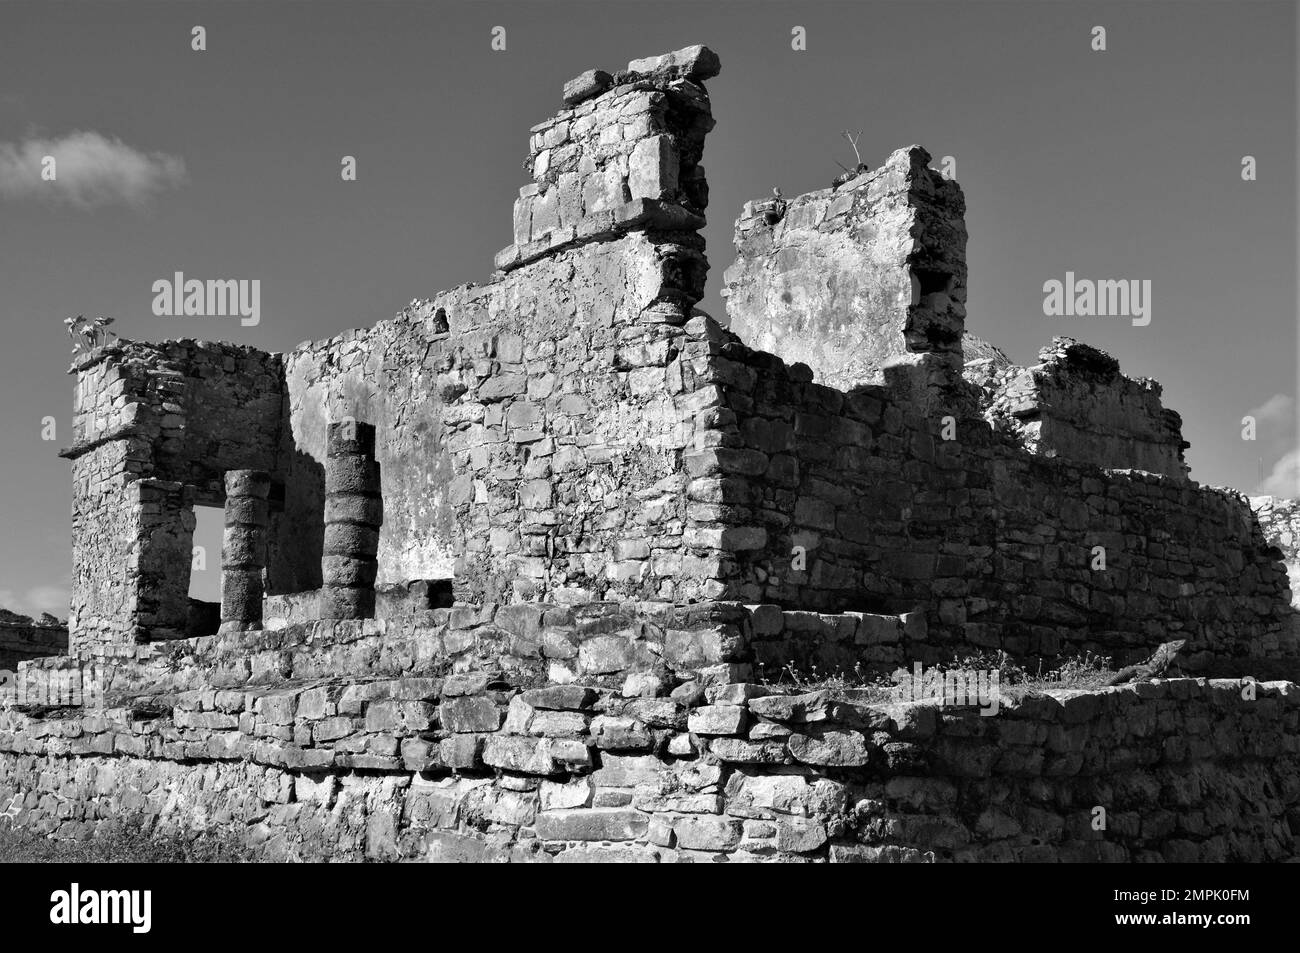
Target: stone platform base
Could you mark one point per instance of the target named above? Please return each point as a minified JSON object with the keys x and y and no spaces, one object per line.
{"x":534,"y":733}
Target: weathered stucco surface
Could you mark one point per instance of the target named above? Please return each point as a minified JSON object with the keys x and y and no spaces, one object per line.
{"x":849,"y":279}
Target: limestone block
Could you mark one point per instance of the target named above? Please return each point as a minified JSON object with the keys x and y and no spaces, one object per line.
{"x":653,"y":168}
{"x":592,"y":824}
{"x":696,"y":63}
{"x":586,"y":85}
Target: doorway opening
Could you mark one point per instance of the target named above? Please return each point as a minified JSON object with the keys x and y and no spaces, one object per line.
{"x":205,"y":571}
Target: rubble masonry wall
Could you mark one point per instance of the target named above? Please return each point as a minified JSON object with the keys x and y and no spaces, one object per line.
{"x":444,"y":739}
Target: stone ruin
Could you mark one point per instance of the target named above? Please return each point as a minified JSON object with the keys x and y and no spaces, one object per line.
{"x":1280,"y":520}
{"x":515,"y":575}
{"x":23,"y":638}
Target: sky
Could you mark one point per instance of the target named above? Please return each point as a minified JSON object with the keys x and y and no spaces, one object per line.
{"x":1117,"y":163}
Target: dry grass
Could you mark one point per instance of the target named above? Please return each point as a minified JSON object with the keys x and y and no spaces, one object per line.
{"x":1086,"y":672}
{"x":128,"y":842}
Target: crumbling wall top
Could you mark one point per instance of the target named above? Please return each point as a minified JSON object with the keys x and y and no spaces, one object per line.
{"x":624,"y":154}
{"x":193,"y":408}
{"x":22,"y":637}
{"x":1076,"y":404}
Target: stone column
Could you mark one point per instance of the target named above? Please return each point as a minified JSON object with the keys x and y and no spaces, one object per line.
{"x":243,"y":549}
{"x":353,"y":515}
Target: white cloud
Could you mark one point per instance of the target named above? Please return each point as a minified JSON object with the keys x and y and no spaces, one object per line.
{"x":52,"y":599}
{"x":38,"y":599}
{"x":1275,"y":435}
{"x":1277,"y":411}
{"x":91,"y":170}
{"x":1284,"y":480}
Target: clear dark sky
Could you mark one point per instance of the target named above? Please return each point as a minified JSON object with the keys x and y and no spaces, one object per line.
{"x":225,"y":163}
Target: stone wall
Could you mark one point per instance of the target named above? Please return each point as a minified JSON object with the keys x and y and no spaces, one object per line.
{"x":851,"y":278}
{"x":459,"y":737}
{"x":23,"y":638}
{"x":1279,"y":519}
{"x":105,"y":591}
{"x":1076,"y":405}
{"x":155,"y":427}
{"x":625,"y":154}
{"x":856,"y":501}
{"x":533,"y":449}
{"x":190,"y":410}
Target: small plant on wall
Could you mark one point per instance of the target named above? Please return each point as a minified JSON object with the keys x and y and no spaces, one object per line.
{"x":88,"y":334}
